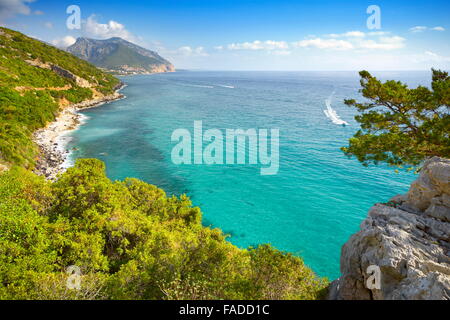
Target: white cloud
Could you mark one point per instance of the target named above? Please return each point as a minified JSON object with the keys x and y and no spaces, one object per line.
{"x":324,"y":44}
{"x":417,"y":29}
{"x":272,"y":45}
{"x":384,"y":43}
{"x":431,"y":56}
{"x":424,"y":28}
{"x":64,"y":42}
{"x":349,"y":34}
{"x":10,"y":8}
{"x":48,"y":25}
{"x":357,"y":34}
{"x":429,"y":59}
{"x":259,"y":45}
{"x":186,"y":51}
{"x":38,"y":12}
{"x":200,"y":51}
{"x":377,"y":40}
{"x":378,"y":33}
{"x":191,"y":52}
{"x":97,"y":30}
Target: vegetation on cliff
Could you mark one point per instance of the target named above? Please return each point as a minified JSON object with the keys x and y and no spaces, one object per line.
{"x":35,"y":80}
{"x":130,"y":241}
{"x":399,"y":125}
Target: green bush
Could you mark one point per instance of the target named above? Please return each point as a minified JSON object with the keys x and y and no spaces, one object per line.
{"x":28,"y":99}
{"x":131,"y":241}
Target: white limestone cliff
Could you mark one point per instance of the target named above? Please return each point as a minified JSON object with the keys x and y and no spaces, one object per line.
{"x":408,"y":239}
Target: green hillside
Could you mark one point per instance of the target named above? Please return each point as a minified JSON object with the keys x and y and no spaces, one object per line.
{"x":128,"y":238}
{"x":130,"y":241}
{"x":31,"y":91}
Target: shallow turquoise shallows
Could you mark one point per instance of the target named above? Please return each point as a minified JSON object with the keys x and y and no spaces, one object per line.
{"x":319,"y":196}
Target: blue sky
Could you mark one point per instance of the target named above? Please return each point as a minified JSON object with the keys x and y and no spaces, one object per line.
{"x":254,"y":35}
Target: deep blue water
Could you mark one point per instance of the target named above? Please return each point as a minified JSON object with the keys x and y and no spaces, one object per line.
{"x":319,"y":196}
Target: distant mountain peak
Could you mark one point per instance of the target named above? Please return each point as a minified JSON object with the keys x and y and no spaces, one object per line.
{"x":118,"y":55}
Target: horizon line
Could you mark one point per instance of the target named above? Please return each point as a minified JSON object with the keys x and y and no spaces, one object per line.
{"x":249,"y":70}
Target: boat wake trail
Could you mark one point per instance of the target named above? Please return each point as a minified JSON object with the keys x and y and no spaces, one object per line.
{"x":204,"y":85}
{"x":198,"y":86}
{"x":331,"y":113}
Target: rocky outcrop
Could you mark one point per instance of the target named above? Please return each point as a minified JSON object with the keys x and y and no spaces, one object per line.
{"x":3,"y":167}
{"x":61,"y":72}
{"x":69,"y":75}
{"x":407,"y":240}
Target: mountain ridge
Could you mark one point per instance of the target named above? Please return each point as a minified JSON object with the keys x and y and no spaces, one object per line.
{"x":120,"y":56}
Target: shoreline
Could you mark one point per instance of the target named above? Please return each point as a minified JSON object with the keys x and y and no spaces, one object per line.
{"x":52,"y":139}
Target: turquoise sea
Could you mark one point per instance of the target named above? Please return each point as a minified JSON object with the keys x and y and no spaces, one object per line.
{"x":319,"y":196}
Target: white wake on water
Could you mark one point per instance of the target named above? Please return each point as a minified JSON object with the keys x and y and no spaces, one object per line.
{"x":331,"y":113}
{"x":199,"y":86}
{"x":209,"y":86}
{"x":184,"y":84}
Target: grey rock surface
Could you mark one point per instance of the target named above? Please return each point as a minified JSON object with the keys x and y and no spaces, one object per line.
{"x":408,"y":239}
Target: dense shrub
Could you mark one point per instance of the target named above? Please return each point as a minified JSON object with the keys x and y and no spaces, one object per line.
{"x":131,"y":241}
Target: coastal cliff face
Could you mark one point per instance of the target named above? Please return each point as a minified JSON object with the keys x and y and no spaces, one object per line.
{"x":408,"y":239}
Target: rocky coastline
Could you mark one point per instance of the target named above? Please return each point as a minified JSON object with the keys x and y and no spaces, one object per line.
{"x":53,"y":154}
{"x":407,"y":240}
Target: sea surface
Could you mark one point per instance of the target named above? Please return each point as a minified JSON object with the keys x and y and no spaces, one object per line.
{"x":310,"y":208}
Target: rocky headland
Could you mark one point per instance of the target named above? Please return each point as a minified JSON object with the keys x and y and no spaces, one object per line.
{"x":408,"y":239}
